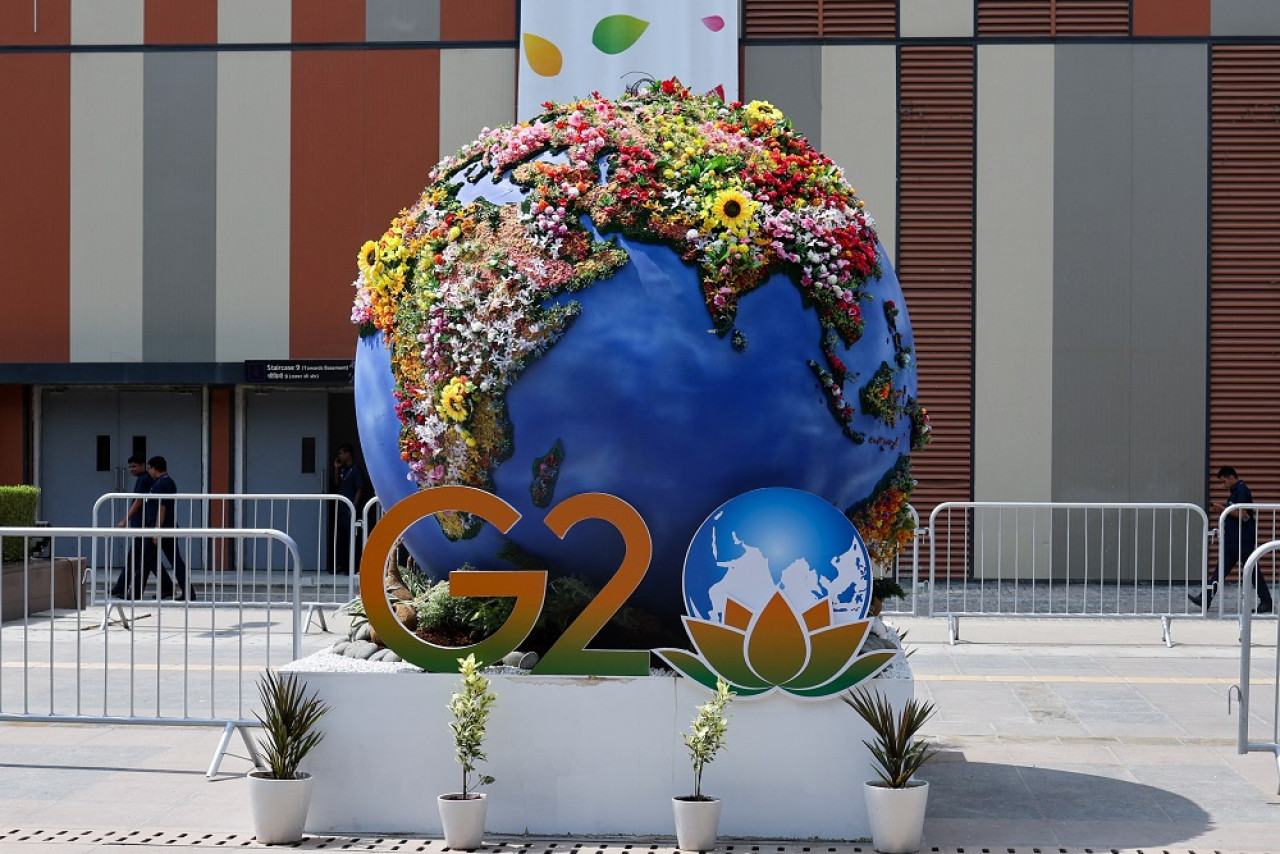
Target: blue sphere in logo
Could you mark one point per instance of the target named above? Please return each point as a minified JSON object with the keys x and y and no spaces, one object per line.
{"x":777,"y":539}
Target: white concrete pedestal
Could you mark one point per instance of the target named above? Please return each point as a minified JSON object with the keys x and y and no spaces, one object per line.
{"x":584,"y":755}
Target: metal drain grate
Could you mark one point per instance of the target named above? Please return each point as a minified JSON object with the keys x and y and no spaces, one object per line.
{"x":177,"y":839}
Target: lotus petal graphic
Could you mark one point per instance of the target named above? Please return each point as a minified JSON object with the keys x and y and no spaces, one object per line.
{"x":805,"y":655}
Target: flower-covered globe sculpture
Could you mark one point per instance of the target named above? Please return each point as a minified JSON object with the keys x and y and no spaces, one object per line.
{"x":666,"y":298}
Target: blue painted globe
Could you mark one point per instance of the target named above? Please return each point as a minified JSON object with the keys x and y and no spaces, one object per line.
{"x":698,"y":365}
{"x":771,"y":540}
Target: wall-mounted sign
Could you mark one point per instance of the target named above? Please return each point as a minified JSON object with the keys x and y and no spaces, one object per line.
{"x":300,"y":371}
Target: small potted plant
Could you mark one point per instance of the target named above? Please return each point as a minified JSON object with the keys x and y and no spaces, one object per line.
{"x":698,"y":815}
{"x":895,"y":802}
{"x":462,"y":813}
{"x":280,"y":794}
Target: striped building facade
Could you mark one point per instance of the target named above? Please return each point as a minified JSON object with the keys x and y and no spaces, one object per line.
{"x":1082,"y":198}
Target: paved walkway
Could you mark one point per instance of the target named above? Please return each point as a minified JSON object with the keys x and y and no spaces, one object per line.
{"x":1055,"y":735}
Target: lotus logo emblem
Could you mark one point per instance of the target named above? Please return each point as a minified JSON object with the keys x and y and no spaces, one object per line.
{"x":776,"y":584}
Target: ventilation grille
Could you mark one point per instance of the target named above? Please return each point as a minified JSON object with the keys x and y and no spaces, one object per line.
{"x":1244,"y":302}
{"x":935,"y":258}
{"x":808,"y":19}
{"x":1053,"y":18}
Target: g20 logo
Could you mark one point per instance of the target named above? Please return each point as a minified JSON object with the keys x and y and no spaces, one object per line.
{"x":776,"y":588}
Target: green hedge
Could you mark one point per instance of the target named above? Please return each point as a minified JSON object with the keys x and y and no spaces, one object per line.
{"x":17,"y":510}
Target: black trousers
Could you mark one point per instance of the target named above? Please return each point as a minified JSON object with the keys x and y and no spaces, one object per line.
{"x":130,"y":583}
{"x":151,"y":552}
{"x":1232,"y":541}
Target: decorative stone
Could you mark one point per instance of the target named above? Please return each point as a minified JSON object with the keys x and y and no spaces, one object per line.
{"x":360,"y":649}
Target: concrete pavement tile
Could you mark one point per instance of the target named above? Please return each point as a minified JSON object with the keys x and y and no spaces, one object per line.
{"x":982,"y":832}
{"x":978,"y":789}
{"x":86,"y":813}
{"x":1057,"y":753}
{"x":1094,"y":793}
{"x":1143,"y":836}
{"x":225,"y":808}
{"x":1187,"y":772}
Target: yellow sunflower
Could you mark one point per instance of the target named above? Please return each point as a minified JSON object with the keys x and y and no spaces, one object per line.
{"x":732,"y":209}
{"x":453,"y":399}
{"x":368,"y":256}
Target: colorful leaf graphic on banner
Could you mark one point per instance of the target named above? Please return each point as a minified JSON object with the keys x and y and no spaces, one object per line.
{"x":543,"y":56}
{"x":714,"y":23}
{"x":616,"y":33}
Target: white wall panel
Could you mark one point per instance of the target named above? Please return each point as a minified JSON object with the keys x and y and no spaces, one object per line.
{"x":107,"y":21}
{"x":255,"y":21}
{"x":860,"y":128}
{"x":253,"y":206}
{"x":464,"y":73}
{"x":106,"y":207}
{"x":1013,"y":395}
{"x":935,"y":18}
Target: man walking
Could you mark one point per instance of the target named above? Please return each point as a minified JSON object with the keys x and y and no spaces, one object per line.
{"x":131,"y":581}
{"x":1238,"y":530}
{"x":165,"y":516}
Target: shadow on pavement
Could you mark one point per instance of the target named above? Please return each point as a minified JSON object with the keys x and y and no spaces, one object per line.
{"x":1020,"y":793}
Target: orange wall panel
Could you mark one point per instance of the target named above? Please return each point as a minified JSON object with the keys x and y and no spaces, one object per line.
{"x":12,"y":435}
{"x":1171,"y":17}
{"x":353,"y":169}
{"x":398,"y":161}
{"x":328,"y":21}
{"x":181,"y":22}
{"x":477,"y":20}
{"x":220,"y":417}
{"x":35,"y":174}
{"x":327,"y":218}
{"x":49,"y":22}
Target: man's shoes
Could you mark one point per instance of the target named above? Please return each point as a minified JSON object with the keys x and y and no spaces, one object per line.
{"x":1195,"y":599}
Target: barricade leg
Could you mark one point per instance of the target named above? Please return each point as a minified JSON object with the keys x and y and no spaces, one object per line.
{"x":1166,"y":630}
{"x":254,"y":756}
{"x":314,"y":612}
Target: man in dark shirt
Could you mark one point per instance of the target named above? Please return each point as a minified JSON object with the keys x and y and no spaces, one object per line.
{"x":348,"y":482}
{"x":1239,"y":532}
{"x":161,"y":513}
{"x":130,"y":583}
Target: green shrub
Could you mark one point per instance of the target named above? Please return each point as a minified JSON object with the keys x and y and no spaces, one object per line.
{"x":17,"y":510}
{"x":438,"y":611}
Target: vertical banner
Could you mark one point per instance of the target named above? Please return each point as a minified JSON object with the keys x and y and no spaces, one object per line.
{"x":571,"y":48}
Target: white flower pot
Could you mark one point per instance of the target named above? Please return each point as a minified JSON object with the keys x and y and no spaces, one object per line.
{"x":279,"y":807}
{"x":463,"y":820}
{"x":696,"y":823}
{"x":896,"y":816}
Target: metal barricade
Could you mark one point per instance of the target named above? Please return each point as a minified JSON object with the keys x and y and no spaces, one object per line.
{"x":1066,"y":559}
{"x":1234,"y":533}
{"x":190,"y":663}
{"x":1257,"y":705}
{"x":248,"y":573}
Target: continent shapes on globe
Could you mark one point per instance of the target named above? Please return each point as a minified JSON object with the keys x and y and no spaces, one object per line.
{"x":770,"y":540}
{"x":524,"y":305}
